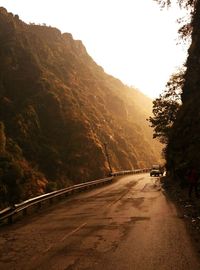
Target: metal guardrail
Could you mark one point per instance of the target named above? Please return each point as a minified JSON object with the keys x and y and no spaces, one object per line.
{"x":9,"y":212}
{"x":130,"y":172}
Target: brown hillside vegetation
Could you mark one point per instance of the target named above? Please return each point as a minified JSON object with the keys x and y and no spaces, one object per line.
{"x":58,"y":108}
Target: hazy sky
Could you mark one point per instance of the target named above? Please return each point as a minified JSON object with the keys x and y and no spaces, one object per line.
{"x":132,"y":40}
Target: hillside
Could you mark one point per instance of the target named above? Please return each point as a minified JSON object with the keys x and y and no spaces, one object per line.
{"x":57,"y":110}
{"x":184,"y":145}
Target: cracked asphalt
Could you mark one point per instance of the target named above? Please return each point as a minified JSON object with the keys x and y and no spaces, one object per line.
{"x":129,"y":224}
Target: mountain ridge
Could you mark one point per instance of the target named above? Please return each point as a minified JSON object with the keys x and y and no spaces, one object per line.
{"x":58,"y":108}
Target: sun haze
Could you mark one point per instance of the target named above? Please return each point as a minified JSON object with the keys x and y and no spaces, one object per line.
{"x":132,"y":40}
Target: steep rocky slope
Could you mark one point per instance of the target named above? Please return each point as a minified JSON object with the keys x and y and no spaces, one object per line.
{"x":57,"y":110}
{"x":184,"y":145}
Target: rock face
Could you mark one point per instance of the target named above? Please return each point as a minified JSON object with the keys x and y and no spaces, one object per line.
{"x":184,"y":145}
{"x":57,"y":110}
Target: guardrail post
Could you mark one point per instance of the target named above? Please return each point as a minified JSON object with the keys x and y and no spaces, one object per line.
{"x":10,"y":220}
{"x":24,"y":211}
{"x":39,"y":205}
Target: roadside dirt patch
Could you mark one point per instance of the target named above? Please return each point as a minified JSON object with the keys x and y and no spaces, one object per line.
{"x":189,"y":209}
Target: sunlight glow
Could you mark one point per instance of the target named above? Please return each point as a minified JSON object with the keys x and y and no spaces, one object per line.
{"x":132,"y":40}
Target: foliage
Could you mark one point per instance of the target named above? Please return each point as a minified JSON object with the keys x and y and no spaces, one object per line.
{"x":165,"y":107}
{"x":10,"y":176}
{"x":184,"y":145}
{"x":2,"y":138}
{"x":182,"y":3}
{"x":51,"y":186}
{"x":186,"y":27}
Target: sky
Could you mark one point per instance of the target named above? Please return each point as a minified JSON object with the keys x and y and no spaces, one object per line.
{"x":133,"y":40}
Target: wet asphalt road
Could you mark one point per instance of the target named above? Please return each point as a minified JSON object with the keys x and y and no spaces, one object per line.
{"x":129,"y":224}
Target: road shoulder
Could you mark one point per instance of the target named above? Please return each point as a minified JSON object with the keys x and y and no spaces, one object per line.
{"x":189,"y":210}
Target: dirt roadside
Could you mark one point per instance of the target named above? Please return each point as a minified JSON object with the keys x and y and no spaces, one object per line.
{"x":189,"y":209}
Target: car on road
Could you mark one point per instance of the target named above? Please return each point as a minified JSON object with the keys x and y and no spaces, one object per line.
{"x":156,"y":170}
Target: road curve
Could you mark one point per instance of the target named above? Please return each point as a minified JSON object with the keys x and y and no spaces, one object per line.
{"x":129,"y":224}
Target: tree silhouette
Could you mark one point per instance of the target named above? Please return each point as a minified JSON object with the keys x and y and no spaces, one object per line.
{"x":165,"y":107}
{"x":185,"y":30}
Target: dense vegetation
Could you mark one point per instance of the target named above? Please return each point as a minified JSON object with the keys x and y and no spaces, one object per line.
{"x":57,"y":110}
{"x":166,"y":107}
{"x":183,"y":146}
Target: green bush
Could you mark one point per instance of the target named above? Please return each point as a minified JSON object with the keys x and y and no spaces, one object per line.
{"x":11,"y":175}
{"x":51,"y":186}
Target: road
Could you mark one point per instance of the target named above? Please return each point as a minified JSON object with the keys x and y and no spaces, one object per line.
{"x":129,"y":224}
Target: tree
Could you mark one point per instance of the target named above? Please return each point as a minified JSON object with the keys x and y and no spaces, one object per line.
{"x":191,"y":6}
{"x":182,"y":3}
{"x":183,"y":142}
{"x":10,"y":176}
{"x":2,"y":138}
{"x":165,"y":107}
